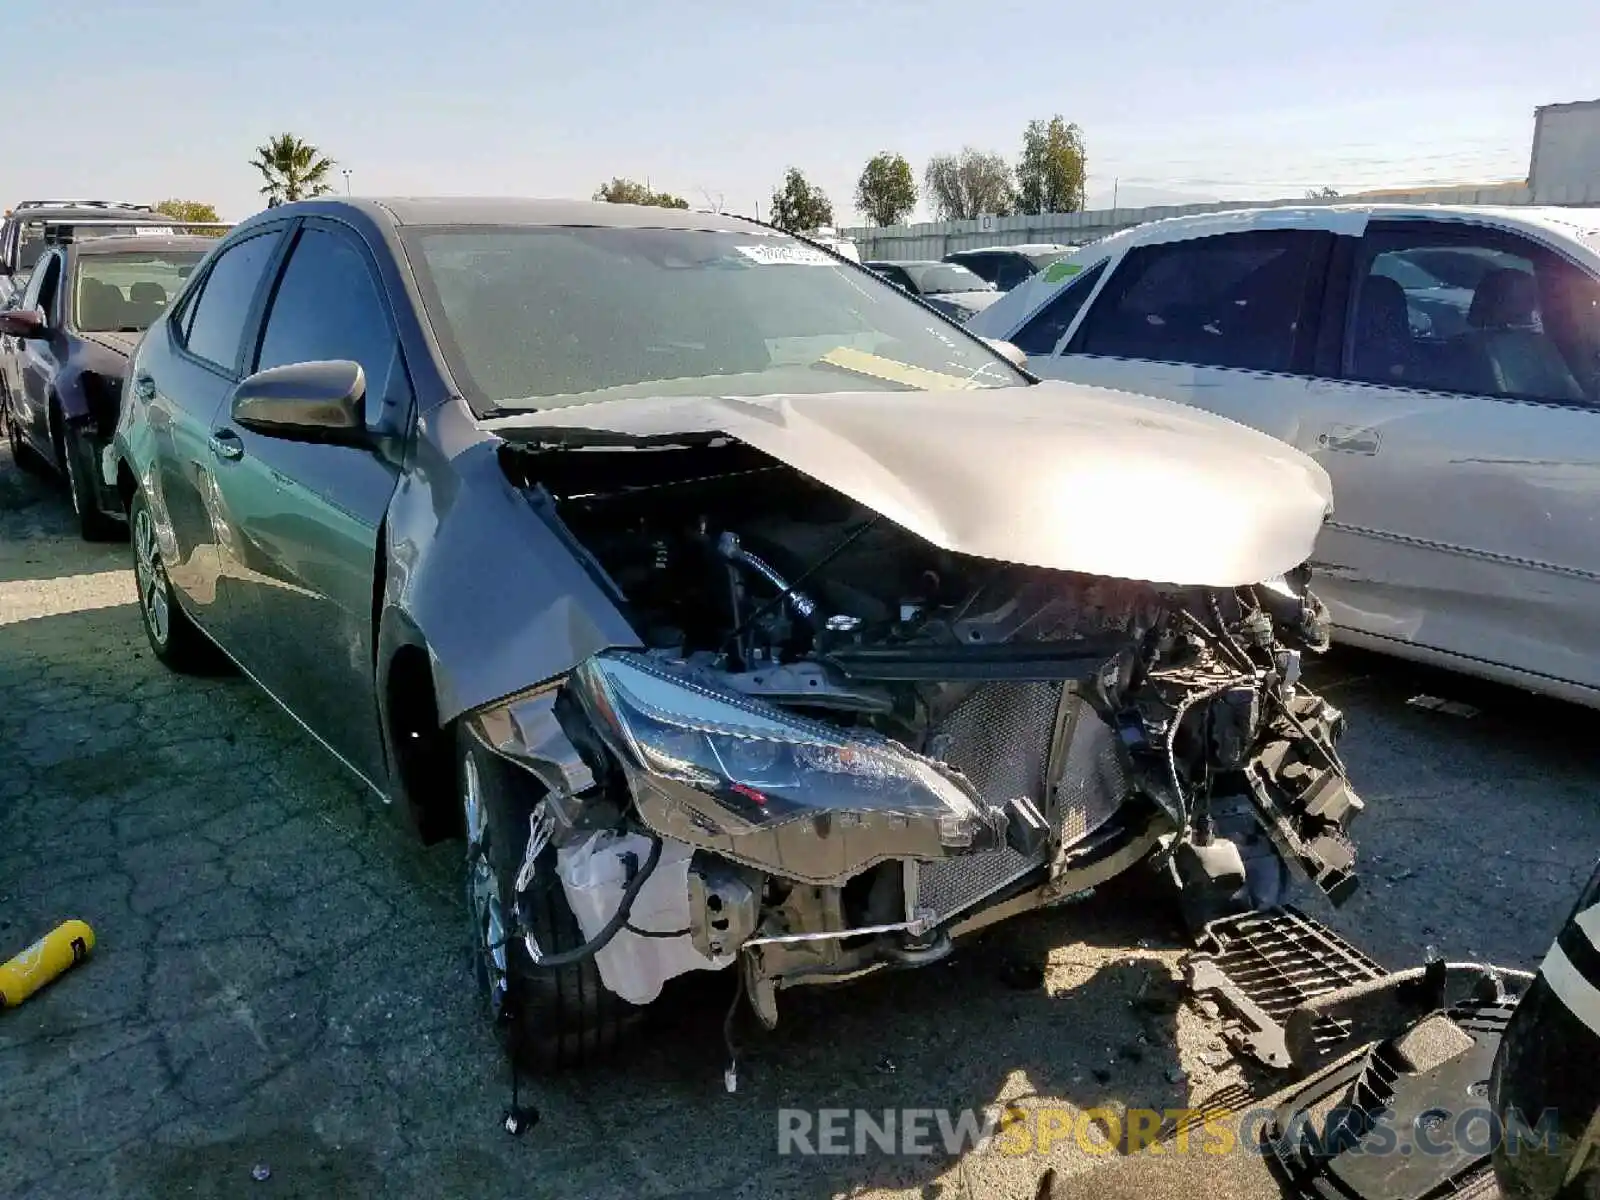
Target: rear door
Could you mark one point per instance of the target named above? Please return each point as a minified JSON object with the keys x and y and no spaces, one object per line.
{"x":1462,"y":433}
{"x":184,"y":370}
{"x":303,"y":518}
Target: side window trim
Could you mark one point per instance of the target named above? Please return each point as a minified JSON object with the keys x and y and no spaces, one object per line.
{"x":1080,"y":288}
{"x":1106,"y":267}
{"x":1109,"y":262}
{"x":282,"y":230}
{"x":1338,"y":301}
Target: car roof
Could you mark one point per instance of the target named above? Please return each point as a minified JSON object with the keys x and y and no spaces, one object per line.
{"x":908,"y":262}
{"x":504,"y":210}
{"x":148,"y":241}
{"x":1353,"y":219}
{"x":87,"y":212}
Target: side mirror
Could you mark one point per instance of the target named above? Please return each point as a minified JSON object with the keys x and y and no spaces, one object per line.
{"x":23,"y":323}
{"x":1008,"y":352}
{"x":305,"y":402}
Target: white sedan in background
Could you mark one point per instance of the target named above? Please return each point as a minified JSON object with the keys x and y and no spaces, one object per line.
{"x":1443,"y":365}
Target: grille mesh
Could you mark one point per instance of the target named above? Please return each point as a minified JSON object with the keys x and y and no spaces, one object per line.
{"x":1000,"y":736}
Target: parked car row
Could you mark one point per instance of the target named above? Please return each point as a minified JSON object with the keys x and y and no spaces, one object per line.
{"x":952,"y":290}
{"x":741,"y":613}
{"x":85,"y":279}
{"x":1441,"y":363}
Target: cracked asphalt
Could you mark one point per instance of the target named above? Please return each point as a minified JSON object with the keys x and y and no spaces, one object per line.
{"x":281,"y":977}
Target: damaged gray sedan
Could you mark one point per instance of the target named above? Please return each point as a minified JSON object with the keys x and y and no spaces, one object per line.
{"x":739,"y":613}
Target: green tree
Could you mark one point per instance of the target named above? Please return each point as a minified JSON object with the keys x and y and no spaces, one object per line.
{"x":1051,"y":174}
{"x":963,"y":186}
{"x":1322,"y":193}
{"x":191,"y":210}
{"x":292,"y":169}
{"x":629,"y":191}
{"x":798,"y":206}
{"x":887,"y":191}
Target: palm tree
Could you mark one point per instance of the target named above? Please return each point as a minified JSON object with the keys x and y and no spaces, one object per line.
{"x":293,"y":169}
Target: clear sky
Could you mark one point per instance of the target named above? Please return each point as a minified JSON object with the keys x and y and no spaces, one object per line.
{"x":145,"y":99}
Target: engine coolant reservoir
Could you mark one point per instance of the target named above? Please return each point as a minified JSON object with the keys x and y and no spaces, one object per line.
{"x":594,"y":873}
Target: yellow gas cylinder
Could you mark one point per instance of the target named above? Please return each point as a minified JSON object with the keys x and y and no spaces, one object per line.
{"x":63,"y":947}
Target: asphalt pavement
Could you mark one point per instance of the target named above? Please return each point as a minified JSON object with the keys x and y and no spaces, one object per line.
{"x":281,"y":983}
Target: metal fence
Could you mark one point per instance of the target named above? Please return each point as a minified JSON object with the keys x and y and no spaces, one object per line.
{"x":933,"y":240}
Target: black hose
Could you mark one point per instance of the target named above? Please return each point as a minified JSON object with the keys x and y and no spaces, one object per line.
{"x":554,"y":962}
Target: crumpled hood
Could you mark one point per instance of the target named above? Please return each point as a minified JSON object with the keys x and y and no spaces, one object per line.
{"x":1051,"y":475}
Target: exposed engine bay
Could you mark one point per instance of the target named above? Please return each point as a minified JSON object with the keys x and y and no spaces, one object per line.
{"x":838,"y":745}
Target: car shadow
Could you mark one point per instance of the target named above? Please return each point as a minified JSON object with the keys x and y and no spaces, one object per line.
{"x":1074,"y":1049}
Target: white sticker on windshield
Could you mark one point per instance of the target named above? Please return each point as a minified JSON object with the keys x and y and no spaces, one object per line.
{"x":786,"y":256}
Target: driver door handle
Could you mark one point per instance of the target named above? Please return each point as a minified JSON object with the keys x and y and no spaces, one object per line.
{"x":225,"y":443}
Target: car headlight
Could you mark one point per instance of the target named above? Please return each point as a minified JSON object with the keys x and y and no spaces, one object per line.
{"x":764,"y":765}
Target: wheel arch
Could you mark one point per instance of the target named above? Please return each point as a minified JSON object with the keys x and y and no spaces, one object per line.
{"x":421,"y":750}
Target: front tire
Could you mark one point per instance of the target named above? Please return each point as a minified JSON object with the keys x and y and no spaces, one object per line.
{"x":76,"y":463}
{"x":173,"y":637}
{"x":546,"y":1018}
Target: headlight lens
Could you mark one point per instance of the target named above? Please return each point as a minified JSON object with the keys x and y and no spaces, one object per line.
{"x":764,"y":763}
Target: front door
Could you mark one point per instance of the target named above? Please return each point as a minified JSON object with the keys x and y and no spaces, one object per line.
{"x":304,"y":518}
{"x":182,"y":375}
{"x":1463,"y":440}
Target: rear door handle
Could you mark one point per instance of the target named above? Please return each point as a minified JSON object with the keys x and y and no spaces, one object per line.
{"x":225,"y":443}
{"x":144,"y":388}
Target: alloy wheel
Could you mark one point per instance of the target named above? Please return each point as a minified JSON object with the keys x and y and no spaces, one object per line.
{"x":483,"y":890}
{"x":151,"y":577}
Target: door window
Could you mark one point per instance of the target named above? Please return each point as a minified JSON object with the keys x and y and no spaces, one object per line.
{"x":1472,"y":310}
{"x":42,"y":287}
{"x":327,"y":306}
{"x":1047,"y":326}
{"x":1234,"y":300}
{"x":214,"y":321}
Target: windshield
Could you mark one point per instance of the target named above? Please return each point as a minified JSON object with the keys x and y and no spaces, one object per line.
{"x":125,"y":293}
{"x":936,"y":279}
{"x":545,"y":317}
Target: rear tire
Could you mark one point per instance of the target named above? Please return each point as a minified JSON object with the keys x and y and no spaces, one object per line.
{"x":93,"y":524}
{"x":173,"y":637}
{"x":549,"y":1019}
